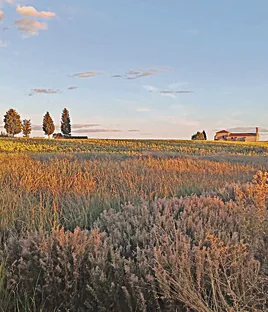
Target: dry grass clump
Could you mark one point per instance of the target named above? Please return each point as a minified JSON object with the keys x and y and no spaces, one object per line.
{"x":79,"y":271}
{"x":182,"y":254}
{"x":73,"y":191}
{"x":110,"y":176}
{"x":214,"y":257}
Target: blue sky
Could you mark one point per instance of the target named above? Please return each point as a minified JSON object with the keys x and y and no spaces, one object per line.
{"x":136,"y":69}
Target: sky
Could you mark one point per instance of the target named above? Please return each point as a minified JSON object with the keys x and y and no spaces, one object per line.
{"x":136,"y":69}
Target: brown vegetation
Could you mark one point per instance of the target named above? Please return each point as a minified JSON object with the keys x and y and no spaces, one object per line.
{"x":132,"y":234}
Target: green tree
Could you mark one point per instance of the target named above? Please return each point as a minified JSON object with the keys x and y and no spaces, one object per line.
{"x":12,"y":122}
{"x":199,"y":136}
{"x":205,"y":135}
{"x":26,"y":128}
{"x":65,"y":122}
{"x":48,"y":125}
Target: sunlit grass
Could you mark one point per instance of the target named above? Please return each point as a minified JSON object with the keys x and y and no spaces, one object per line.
{"x":74,"y":191}
{"x":124,"y":202}
{"x":133,"y":147}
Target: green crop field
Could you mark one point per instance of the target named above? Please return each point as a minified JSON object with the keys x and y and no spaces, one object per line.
{"x":133,"y":225}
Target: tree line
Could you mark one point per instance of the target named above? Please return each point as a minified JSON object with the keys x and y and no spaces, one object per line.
{"x":199,"y":136}
{"x":14,"y":125}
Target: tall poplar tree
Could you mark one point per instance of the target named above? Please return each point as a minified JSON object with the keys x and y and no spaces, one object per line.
{"x":48,"y":125}
{"x":65,"y":122}
{"x":26,"y":128}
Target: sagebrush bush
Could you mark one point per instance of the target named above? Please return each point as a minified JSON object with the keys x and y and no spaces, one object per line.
{"x":206,"y":253}
{"x":213,"y":257}
{"x":78,"y":271}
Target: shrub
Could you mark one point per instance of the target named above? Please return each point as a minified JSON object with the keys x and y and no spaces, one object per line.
{"x":182,"y":254}
{"x":207,"y":259}
{"x":58,"y":136}
{"x":77,"y":271}
{"x":199,"y":136}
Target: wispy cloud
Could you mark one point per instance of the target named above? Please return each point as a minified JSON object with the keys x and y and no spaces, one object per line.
{"x":247,"y":129}
{"x":13,"y":2}
{"x":44,"y":91}
{"x":86,"y":74}
{"x":150,"y":88}
{"x":84,"y":126}
{"x":29,"y":27}
{"x":76,"y":128}
{"x":132,"y":74}
{"x":1,"y":15}
{"x":3,"y":44}
{"x":118,"y":76}
{"x":143,"y":109}
{"x":36,"y":128}
{"x":153,"y":89}
{"x":140,"y":73}
{"x":263,"y":130}
{"x":170,"y":93}
{"x":30,"y":11}
{"x":72,"y":88}
{"x":97,"y":130}
{"x":175,"y":92}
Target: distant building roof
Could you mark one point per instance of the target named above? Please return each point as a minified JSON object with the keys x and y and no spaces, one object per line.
{"x":230,"y":134}
{"x":242,"y":134}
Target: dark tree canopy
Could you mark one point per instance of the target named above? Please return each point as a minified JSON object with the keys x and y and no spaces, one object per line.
{"x":65,"y":122}
{"x":48,"y":125}
{"x":12,"y":122}
{"x":199,"y":136}
{"x":26,"y":128}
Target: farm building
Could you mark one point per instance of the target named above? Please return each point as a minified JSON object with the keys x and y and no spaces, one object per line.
{"x":225,"y":135}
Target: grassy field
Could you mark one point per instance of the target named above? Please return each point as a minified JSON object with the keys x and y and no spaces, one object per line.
{"x":124,"y":225}
{"x":133,"y":147}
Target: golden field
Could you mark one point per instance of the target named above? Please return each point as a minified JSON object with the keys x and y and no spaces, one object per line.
{"x":132,"y":147}
{"x":125,"y":225}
